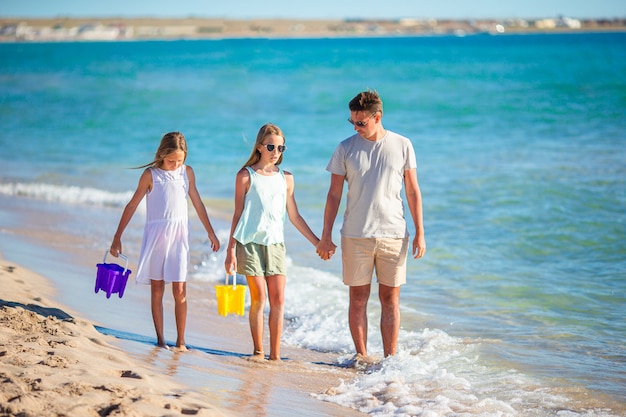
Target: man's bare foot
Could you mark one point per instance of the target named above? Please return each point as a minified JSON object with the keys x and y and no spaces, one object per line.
{"x":362,"y":362}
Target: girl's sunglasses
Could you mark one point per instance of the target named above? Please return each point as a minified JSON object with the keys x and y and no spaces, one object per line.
{"x":270,"y":147}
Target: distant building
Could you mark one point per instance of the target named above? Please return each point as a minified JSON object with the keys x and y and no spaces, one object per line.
{"x":98,"y":32}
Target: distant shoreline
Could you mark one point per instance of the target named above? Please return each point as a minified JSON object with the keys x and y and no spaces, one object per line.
{"x":118,"y":29}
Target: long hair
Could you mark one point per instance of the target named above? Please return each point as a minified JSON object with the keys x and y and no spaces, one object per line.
{"x":170,"y":142}
{"x":265,"y":130}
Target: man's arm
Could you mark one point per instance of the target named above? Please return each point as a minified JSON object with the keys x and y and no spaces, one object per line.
{"x":326,"y":247}
{"x":414,"y":200}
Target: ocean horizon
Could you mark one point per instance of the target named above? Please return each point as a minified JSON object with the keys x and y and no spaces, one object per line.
{"x":517,"y":307}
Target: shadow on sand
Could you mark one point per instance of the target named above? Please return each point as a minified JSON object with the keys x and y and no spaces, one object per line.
{"x":134,"y":337}
{"x":42,"y":311}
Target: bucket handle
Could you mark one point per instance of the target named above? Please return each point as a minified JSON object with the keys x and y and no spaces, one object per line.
{"x":234,"y":280}
{"x":121,"y":255}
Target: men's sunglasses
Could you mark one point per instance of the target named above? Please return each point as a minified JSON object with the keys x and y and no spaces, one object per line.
{"x":361,"y":124}
{"x":270,"y":147}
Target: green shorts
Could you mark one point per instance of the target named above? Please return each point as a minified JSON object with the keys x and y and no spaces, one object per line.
{"x":254,"y":260}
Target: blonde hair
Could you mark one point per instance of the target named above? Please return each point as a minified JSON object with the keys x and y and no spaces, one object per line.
{"x":170,"y":142}
{"x":265,"y":130}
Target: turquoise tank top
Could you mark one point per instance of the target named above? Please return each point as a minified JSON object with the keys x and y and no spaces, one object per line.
{"x":263,"y":218}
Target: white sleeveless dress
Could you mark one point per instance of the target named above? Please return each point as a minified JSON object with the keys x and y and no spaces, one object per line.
{"x":165,"y":246}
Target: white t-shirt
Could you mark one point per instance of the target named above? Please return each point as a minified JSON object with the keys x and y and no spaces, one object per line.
{"x":374,"y":171}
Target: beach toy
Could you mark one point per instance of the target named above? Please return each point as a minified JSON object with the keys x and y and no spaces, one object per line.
{"x":230,"y":298}
{"x":112,"y":278}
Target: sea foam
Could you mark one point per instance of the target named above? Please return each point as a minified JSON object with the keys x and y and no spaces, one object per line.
{"x":66,"y":194}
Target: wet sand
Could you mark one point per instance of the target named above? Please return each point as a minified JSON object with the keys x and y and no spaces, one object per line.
{"x":68,"y":351}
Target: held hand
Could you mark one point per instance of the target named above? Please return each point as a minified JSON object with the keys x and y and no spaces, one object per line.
{"x":230,"y":264}
{"x":419,"y":247}
{"x":331,"y":252}
{"x":325,"y":249}
{"x":116,"y":248}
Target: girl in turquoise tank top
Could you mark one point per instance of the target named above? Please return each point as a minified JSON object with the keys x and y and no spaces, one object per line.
{"x":263,"y":195}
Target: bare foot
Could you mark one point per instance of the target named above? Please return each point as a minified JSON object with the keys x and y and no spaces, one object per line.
{"x":258,"y":356}
{"x":361,"y":362}
{"x":181,"y":345}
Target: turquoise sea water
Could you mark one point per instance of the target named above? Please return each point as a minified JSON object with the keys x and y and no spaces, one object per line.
{"x":518,"y":305}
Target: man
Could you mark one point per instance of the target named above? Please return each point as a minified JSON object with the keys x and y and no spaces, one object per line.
{"x":375,"y":163}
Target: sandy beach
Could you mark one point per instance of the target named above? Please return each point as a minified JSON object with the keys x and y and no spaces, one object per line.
{"x":516,"y":310}
{"x":55,"y":362}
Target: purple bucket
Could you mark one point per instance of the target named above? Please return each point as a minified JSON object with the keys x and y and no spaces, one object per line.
{"x":112,"y":278}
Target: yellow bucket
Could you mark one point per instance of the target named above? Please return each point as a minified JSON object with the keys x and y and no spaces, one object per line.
{"x":230,"y":298}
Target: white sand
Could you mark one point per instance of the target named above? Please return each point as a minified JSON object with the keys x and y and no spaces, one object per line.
{"x":53,"y":363}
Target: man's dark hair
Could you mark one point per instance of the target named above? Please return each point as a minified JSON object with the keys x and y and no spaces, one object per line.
{"x":367,"y":101}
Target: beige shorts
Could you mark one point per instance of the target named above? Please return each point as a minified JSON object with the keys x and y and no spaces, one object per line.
{"x":254,"y":260}
{"x":361,"y":256}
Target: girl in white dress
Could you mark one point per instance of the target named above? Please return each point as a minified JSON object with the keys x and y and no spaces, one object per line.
{"x":166,"y":183}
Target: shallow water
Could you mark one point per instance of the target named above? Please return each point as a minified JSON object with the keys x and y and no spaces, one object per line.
{"x":517,"y":306}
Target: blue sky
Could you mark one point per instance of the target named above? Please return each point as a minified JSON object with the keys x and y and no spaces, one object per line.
{"x":315,"y":9}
